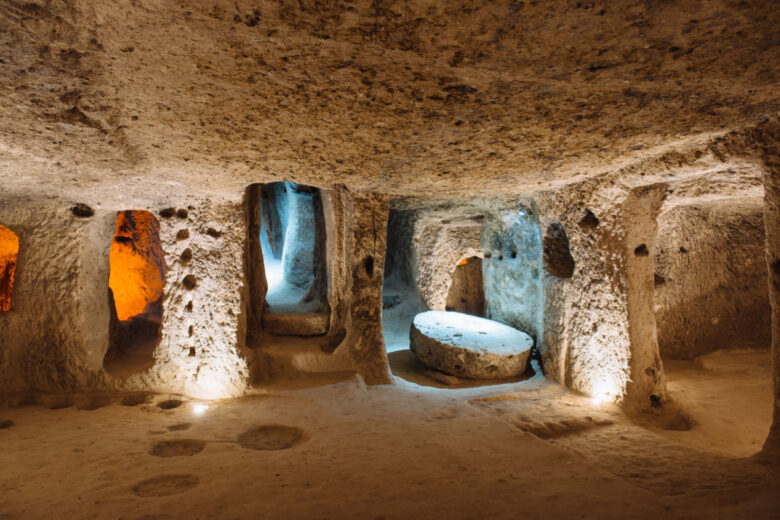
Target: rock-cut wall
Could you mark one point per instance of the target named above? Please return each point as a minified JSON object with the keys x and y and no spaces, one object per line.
{"x":598,"y":326}
{"x":512,"y":268}
{"x":55,"y":335}
{"x":201,"y":351}
{"x":710,"y":278}
{"x":767,"y":143}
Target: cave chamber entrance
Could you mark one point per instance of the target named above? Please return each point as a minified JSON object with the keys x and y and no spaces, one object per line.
{"x":135,"y":293}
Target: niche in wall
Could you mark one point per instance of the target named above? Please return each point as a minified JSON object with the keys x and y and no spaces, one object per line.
{"x":136,"y":280}
{"x":9,"y":251}
{"x":467,"y":293}
{"x":557,"y":257}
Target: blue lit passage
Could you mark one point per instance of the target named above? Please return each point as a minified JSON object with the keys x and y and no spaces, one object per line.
{"x":288,"y":241}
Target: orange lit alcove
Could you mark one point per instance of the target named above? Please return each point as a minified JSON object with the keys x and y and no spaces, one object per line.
{"x":9,"y":250}
{"x":135,"y":293}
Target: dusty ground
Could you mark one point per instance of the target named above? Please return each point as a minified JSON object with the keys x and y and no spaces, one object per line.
{"x":727,"y":394}
{"x":400,"y":451}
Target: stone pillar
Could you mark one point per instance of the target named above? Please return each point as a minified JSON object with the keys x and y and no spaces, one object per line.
{"x":640,"y":224}
{"x":585,"y":344}
{"x":202,"y":350}
{"x":367,"y":215}
{"x":599,"y":327}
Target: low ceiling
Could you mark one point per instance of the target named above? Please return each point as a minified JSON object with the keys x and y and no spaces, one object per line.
{"x":404,"y":97}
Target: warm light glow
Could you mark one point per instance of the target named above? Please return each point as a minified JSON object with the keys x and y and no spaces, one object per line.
{"x":603,"y":392}
{"x":137,"y":263}
{"x":9,"y":251}
{"x":211,"y":383}
{"x":199,"y":408}
{"x":606,"y":372}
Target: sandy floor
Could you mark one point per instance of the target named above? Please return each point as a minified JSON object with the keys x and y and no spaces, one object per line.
{"x":529,"y":449}
{"x":728,"y":397}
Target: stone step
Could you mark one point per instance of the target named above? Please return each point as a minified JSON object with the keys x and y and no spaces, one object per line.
{"x":291,"y":355}
{"x":295,"y":324}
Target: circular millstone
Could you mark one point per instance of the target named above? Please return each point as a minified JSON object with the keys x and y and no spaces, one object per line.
{"x":468,"y":346}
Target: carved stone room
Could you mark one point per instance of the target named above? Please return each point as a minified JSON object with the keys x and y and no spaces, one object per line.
{"x":389,"y":259}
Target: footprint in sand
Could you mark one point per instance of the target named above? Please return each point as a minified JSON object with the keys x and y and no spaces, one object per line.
{"x":179,"y":427}
{"x":165,"y":485}
{"x":177,"y":448}
{"x":170,"y":404}
{"x":272,"y":437}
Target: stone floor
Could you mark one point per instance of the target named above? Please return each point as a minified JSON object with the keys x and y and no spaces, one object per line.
{"x":530,"y":449}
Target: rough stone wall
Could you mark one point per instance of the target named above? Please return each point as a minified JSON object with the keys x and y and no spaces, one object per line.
{"x":201,"y":350}
{"x":710,"y":278}
{"x":467,"y":291}
{"x":766,"y":141}
{"x":553,"y":343}
{"x":55,"y":336}
{"x":57,"y":333}
{"x":256,"y":284}
{"x":440,"y":241}
{"x":299,"y":237}
{"x":335,"y":204}
{"x":512,"y":268}
{"x":594,"y":321}
{"x":364,"y":346}
{"x":275,"y":215}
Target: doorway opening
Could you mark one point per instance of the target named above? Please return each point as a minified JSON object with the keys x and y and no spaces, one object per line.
{"x":287,"y":219}
{"x":291,"y":326}
{"x":9,"y":251}
{"x":291,"y":240}
{"x":713,"y":321}
{"x":467,"y":291}
{"x":135,"y":293}
{"x":434,"y":263}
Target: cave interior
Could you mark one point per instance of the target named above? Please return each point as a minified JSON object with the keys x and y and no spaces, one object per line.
{"x":389,"y":259}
